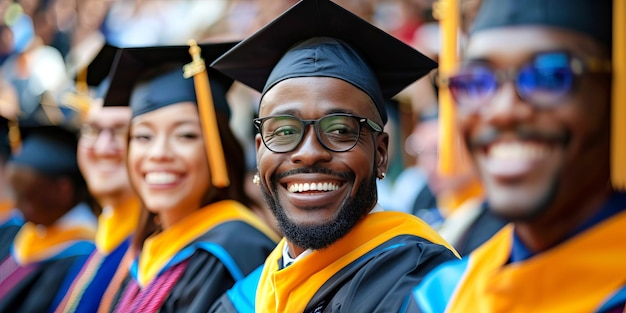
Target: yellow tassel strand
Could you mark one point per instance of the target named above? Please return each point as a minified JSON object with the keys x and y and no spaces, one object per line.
{"x":618,"y":109}
{"x":208,"y":121}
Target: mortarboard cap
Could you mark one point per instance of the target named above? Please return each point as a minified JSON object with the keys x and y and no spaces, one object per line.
{"x":158,"y":72}
{"x":320,"y":38}
{"x":92,"y":75}
{"x":591,"y":17}
{"x":49,"y":137}
{"x":149,"y":78}
{"x":49,"y":150}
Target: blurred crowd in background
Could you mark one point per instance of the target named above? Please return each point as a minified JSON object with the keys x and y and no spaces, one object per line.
{"x":45,"y":43}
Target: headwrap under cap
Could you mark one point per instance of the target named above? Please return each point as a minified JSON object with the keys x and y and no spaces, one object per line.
{"x":328,"y":57}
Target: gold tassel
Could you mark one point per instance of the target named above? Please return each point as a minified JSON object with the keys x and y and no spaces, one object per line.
{"x":453,"y":157}
{"x":618,"y":108}
{"x":208,"y":121}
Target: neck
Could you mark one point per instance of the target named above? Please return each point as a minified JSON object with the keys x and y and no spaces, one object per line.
{"x":294,"y":250}
{"x":115,"y":200}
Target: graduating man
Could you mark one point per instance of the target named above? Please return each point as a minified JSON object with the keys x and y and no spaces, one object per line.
{"x":325,"y":75}
{"x":534,"y":97}
{"x":101,"y":158}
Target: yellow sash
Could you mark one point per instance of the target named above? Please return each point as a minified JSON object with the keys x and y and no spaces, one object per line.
{"x":157,"y":251}
{"x":117,"y":224}
{"x":290,"y":289}
{"x":578,"y":275}
{"x":34,"y":243}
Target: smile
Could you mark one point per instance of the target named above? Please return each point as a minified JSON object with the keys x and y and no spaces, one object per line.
{"x":320,"y":186}
{"x":160,"y":178}
{"x":517,"y":151}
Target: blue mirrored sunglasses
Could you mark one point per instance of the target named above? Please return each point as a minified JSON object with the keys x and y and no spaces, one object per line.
{"x":542,"y":82}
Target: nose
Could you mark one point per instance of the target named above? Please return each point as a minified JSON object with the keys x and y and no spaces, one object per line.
{"x":159,"y":149}
{"x":310,"y":150}
{"x":506,"y":107}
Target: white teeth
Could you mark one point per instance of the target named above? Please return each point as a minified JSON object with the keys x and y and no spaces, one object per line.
{"x":160,"y":178}
{"x":517,"y":150}
{"x":312,"y":187}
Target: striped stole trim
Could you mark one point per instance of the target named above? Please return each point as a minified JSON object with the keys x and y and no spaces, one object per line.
{"x":151,"y":298}
{"x":11,"y":274}
{"x":81,"y":282}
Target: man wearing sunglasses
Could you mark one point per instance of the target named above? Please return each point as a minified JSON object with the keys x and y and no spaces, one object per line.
{"x":324,"y":75}
{"x":534,"y":95}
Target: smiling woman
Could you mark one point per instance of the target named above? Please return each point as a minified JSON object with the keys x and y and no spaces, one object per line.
{"x":197,"y":236}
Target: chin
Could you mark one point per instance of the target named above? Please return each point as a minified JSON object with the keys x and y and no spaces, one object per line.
{"x":517,"y":206}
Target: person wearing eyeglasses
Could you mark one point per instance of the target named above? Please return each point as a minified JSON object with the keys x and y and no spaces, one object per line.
{"x":535,"y":102}
{"x":324,"y":75}
{"x":101,"y":157}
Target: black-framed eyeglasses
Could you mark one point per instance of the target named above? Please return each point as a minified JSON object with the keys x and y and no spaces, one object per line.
{"x":542,"y":82}
{"x":336,"y":132}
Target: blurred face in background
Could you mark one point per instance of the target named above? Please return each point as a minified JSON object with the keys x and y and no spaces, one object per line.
{"x":537,"y":156}
{"x":102,"y":153}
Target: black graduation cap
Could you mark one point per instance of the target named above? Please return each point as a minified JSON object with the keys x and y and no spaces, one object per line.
{"x":149,"y":78}
{"x":162,"y":66}
{"x":48,"y":138}
{"x":591,"y":17}
{"x":320,"y":38}
{"x":49,"y":150}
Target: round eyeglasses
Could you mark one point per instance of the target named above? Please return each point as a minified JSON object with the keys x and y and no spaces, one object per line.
{"x":89,"y":134}
{"x":336,"y":132}
{"x":542,"y":82}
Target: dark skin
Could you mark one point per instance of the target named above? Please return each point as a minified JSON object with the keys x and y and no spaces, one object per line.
{"x":564,"y":181}
{"x":312,"y":98}
{"x":41,"y":199}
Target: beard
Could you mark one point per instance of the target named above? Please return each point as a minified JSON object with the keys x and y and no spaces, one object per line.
{"x":316,"y":237}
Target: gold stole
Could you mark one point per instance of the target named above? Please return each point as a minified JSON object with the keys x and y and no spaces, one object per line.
{"x":117,"y":224}
{"x":35,"y":243}
{"x":290,"y":289}
{"x":157,"y":251}
{"x":578,"y":275}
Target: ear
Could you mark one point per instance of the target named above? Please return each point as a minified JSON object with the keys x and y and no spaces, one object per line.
{"x":257,"y":143}
{"x":382,"y":154}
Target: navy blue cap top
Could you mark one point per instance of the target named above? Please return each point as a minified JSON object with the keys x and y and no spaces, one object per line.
{"x":591,"y":17}
{"x":149,"y":78}
{"x":48,"y":150}
{"x":350,"y":49}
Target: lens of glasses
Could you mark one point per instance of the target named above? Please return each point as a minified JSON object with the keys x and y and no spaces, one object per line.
{"x":542,"y":82}
{"x":473,"y":86}
{"x":546,"y":80}
{"x":90,"y":133}
{"x":335,"y":132}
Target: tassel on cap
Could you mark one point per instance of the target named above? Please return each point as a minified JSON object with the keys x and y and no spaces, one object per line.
{"x":208,"y":121}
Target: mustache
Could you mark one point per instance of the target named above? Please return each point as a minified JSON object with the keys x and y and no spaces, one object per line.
{"x":492,"y":134}
{"x":314,"y":170}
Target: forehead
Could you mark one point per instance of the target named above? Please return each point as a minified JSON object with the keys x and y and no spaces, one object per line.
{"x":109,"y":115}
{"x":511,"y":45}
{"x":316,"y":96}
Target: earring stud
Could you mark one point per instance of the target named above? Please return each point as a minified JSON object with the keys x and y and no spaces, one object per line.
{"x":256,"y":179}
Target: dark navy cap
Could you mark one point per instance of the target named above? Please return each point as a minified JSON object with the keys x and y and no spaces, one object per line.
{"x":149,"y":78}
{"x":49,"y":137}
{"x":48,"y":150}
{"x":318,"y":38}
{"x":591,"y":17}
